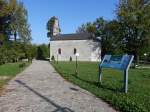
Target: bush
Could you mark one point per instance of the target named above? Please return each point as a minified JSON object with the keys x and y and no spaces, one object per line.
{"x":70,"y":59}
{"x":53,"y":58}
{"x":13,"y":52}
{"x":42,"y":52}
{"x":22,"y":65}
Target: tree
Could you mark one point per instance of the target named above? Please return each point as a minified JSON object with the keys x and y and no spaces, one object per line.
{"x":109,"y":33}
{"x":82,"y":29}
{"x":5,"y":19}
{"x":134,"y":16}
{"x":19,"y":23}
{"x":13,"y":21}
{"x":87,"y":28}
{"x":42,"y":52}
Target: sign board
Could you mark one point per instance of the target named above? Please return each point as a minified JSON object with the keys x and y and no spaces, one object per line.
{"x":117,"y":62}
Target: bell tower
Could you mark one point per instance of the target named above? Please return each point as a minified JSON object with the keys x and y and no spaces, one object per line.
{"x":56,"y":28}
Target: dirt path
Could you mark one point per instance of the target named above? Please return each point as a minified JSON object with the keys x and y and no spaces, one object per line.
{"x":41,"y":89}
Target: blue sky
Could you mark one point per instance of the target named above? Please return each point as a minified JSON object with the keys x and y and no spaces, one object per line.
{"x":71,"y":14}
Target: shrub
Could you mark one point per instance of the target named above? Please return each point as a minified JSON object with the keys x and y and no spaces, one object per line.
{"x":70,"y":59}
{"x":53,"y":58}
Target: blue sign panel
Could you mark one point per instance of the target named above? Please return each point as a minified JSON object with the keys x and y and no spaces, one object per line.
{"x":117,"y":62}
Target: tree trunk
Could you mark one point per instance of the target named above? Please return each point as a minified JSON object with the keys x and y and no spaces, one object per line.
{"x":136,"y":59}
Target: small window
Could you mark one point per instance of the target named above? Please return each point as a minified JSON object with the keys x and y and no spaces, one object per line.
{"x":75,"y":51}
{"x":59,"y":51}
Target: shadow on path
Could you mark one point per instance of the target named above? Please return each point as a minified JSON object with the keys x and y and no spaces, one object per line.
{"x":58,"y":107}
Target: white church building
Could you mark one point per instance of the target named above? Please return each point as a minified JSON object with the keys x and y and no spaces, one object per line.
{"x":64,"y":47}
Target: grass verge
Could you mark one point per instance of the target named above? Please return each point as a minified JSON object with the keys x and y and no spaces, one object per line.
{"x":136,"y":100}
{"x":8,"y":71}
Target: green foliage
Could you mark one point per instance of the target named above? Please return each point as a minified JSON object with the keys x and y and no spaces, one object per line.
{"x":14,"y":26}
{"x":30,"y":51}
{"x":87,"y":28}
{"x":15,"y":51}
{"x":128,"y":33}
{"x":19,"y":22}
{"x":108,"y":31}
{"x":134,"y":17}
{"x":70,"y":59}
{"x":42,"y":52}
{"x":53,"y":58}
{"x":4,"y":20}
{"x":13,"y":21}
{"x":136,"y":100}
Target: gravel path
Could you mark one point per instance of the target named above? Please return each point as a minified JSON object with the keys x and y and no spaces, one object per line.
{"x":41,"y":89}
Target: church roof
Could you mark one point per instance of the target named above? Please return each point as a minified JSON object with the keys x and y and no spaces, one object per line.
{"x":75,"y":36}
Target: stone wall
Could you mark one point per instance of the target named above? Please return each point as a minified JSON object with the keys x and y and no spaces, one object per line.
{"x":88,"y":50}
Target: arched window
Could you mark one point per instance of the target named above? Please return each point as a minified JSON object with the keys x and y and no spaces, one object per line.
{"x":75,"y":51}
{"x":59,"y":51}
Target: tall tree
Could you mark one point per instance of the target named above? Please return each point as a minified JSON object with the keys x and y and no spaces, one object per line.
{"x":87,"y":28}
{"x":13,"y":21}
{"x":42,"y":52}
{"x":19,"y":21}
{"x":82,"y":29}
{"x":5,"y":19}
{"x":109,"y":34}
{"x":134,"y":16}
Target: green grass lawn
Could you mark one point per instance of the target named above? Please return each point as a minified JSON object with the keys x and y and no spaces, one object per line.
{"x":9,"y":71}
{"x":136,"y":100}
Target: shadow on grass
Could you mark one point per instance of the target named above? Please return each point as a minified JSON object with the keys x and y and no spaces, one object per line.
{"x":58,"y":107}
{"x":98,"y":84}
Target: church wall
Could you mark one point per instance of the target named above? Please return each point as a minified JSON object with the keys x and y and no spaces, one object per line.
{"x":88,"y":50}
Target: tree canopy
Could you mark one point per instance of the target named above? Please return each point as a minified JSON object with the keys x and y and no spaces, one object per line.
{"x":15,"y":32}
{"x":128,"y":33}
{"x":13,"y":18}
{"x":134,"y":17}
{"x":88,"y":27}
{"x":42,"y":52}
